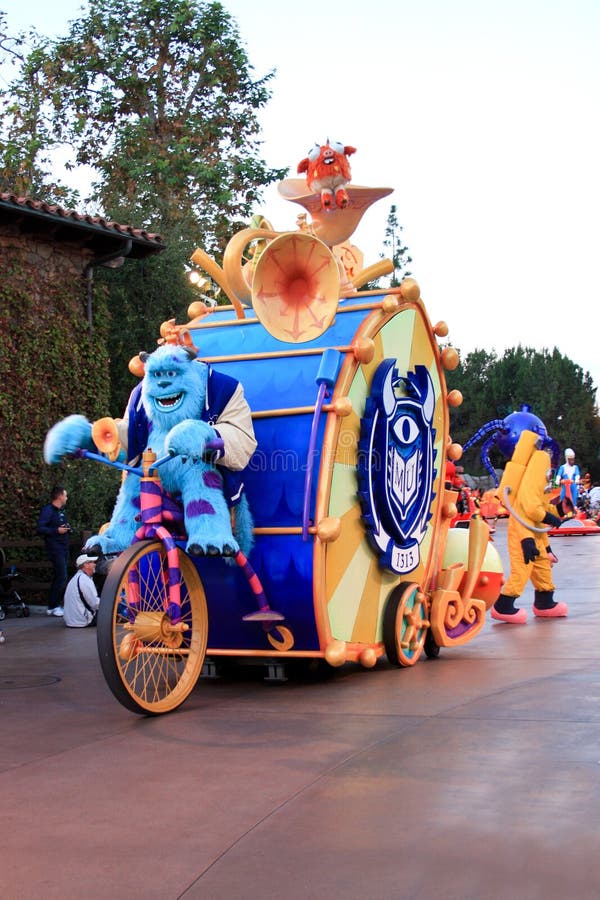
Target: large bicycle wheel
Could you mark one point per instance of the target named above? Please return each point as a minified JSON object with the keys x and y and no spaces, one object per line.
{"x":150,"y":663}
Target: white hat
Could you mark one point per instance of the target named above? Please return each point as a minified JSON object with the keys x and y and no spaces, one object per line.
{"x":83,"y":559}
{"x":569,"y":453}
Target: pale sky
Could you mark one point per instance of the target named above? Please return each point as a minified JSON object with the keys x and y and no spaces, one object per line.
{"x":483,"y":117}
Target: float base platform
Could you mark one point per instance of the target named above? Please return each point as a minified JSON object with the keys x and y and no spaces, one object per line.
{"x":476,"y":775}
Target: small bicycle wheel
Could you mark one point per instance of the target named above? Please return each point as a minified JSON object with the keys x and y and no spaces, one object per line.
{"x":151,"y":664}
{"x":404,"y":624}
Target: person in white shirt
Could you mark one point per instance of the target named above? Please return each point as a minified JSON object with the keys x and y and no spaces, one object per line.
{"x":568,"y":478}
{"x":594,"y":498}
{"x":81,"y":600}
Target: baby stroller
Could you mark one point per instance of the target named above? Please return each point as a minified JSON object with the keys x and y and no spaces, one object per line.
{"x":9,"y":596}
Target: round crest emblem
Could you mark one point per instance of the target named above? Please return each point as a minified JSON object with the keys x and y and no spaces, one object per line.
{"x":396,"y":464}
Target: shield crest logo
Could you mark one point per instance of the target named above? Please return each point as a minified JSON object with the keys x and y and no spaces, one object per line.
{"x":396,"y":464}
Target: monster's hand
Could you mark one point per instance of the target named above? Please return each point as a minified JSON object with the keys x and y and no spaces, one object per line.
{"x":530,"y":551}
{"x":189,"y":439}
{"x":551,"y":555}
{"x":551,"y":520}
{"x":67,"y":436}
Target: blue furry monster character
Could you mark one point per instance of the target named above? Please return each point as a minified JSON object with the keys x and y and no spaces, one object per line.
{"x":180,"y":405}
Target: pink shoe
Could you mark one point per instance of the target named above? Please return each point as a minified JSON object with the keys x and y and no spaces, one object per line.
{"x":517,"y":618}
{"x":561,"y":609}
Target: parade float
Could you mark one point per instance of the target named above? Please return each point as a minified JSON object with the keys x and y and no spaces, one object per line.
{"x":352,"y":559}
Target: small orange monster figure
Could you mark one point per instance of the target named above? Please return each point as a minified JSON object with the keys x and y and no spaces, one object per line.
{"x":328,"y":172}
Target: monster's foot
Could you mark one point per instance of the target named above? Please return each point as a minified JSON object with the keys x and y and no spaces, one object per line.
{"x":341,"y":198}
{"x":555,"y":612}
{"x":100,"y":544}
{"x":517,"y":618}
{"x":326,"y":199}
{"x":504,"y":610}
{"x":211,"y":547}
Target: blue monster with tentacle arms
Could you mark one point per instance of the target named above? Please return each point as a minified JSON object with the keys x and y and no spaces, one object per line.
{"x":505,"y":433}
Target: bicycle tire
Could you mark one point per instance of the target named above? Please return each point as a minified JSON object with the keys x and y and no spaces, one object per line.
{"x":146,"y":673}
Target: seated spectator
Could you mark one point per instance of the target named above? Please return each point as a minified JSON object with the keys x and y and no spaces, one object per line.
{"x":594,"y":497}
{"x":81,"y":597}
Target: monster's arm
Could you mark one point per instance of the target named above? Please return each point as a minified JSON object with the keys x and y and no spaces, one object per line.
{"x":531,"y":496}
{"x":234,"y":426}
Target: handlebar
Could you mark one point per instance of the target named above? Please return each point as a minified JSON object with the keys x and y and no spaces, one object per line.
{"x":213,"y":446}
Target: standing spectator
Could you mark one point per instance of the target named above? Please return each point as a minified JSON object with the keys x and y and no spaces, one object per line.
{"x":81,"y":597}
{"x":53,"y":527}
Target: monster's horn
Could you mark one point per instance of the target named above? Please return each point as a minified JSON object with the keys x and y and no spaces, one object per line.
{"x":143,"y":355}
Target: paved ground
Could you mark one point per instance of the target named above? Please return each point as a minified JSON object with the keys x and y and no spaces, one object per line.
{"x":476,"y":775}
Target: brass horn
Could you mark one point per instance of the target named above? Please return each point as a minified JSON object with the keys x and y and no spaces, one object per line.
{"x":296,"y":287}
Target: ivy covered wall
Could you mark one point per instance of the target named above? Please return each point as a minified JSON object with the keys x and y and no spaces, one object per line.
{"x":51,"y":365}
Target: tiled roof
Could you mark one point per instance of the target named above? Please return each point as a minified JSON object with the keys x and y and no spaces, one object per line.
{"x":76,"y":226}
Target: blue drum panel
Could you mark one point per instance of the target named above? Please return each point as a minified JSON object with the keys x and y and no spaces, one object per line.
{"x":274,"y":480}
{"x":284,"y":565}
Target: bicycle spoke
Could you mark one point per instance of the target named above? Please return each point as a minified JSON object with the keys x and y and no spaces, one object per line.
{"x":155,"y":664}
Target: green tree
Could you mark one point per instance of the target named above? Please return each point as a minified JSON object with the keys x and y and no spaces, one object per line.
{"x":26,"y":136}
{"x":158,"y":97}
{"x":558,"y":391}
{"x":398,"y":252}
{"x":142,"y":295}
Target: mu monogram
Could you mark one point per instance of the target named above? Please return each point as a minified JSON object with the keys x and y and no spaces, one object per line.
{"x":396,"y":464}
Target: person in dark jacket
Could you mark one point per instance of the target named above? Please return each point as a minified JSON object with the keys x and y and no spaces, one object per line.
{"x":53,"y":527}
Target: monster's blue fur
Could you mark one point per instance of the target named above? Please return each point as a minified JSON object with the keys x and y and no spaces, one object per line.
{"x":67,"y":436}
{"x":173,"y":394}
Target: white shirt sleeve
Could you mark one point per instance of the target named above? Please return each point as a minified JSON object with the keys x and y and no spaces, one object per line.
{"x":235,"y":427}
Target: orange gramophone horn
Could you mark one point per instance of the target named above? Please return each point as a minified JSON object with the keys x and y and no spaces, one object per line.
{"x":296,"y":287}
{"x":106,"y":437}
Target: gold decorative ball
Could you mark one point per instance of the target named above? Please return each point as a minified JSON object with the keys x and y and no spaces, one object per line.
{"x":455,"y":398}
{"x":440,"y":329}
{"x":136,"y":367}
{"x":166,"y":328}
{"x":197,"y":309}
{"x":390,"y":304}
{"x":454,"y":452}
{"x":364,"y":350}
{"x":335,"y":653}
{"x":450,"y":358}
{"x":329,"y":529}
{"x":410,"y":290}
{"x":368,"y":658}
{"x":342,"y":406}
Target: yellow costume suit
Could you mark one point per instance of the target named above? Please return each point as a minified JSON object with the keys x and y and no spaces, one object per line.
{"x":526,"y":477}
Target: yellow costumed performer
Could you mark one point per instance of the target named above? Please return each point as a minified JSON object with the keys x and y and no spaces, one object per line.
{"x":523,"y":491}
